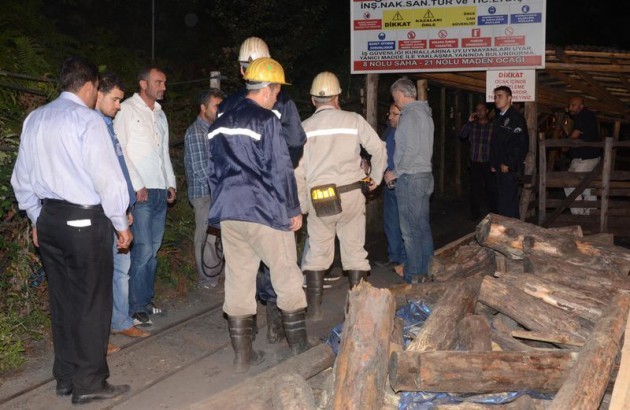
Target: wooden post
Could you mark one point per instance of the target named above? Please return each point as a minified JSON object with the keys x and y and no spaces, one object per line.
{"x":422,"y":86}
{"x":360,"y":371}
{"x":371,"y":102}
{"x":458,"y":145}
{"x":606,"y":171}
{"x":586,"y":384}
{"x":480,"y":372}
{"x":621,"y":392}
{"x":616,"y":131}
{"x":442,"y":137}
{"x":530,"y":160}
{"x":542,"y":179}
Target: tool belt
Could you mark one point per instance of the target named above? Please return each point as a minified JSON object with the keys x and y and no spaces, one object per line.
{"x":326,"y":199}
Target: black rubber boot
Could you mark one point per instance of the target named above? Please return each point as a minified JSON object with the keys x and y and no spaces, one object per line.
{"x":241,"y":332}
{"x":275,"y":330}
{"x":314,"y":293}
{"x":295,"y":330}
{"x":355,"y":276}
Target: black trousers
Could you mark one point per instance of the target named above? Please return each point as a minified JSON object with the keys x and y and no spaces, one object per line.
{"x":482,"y":188}
{"x":507,"y":194}
{"x":75,"y":245}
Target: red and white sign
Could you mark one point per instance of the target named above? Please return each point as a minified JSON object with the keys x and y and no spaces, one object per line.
{"x":521,"y":82}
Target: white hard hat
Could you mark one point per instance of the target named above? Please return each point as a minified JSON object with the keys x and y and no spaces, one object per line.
{"x":251,"y":49}
{"x":325,"y":84}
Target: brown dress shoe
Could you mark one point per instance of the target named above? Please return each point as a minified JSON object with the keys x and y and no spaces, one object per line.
{"x":112,"y":348}
{"x":132,"y":332}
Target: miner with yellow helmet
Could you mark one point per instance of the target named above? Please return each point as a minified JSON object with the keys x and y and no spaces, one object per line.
{"x":293,"y":134}
{"x":332,"y":160}
{"x":255,"y":205}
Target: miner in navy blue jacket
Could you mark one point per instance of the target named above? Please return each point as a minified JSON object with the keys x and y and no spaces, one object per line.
{"x":507,"y":151}
{"x":256,"y":206}
{"x":295,"y":138}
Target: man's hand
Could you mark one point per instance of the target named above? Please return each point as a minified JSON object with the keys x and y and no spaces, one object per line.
{"x":493,"y":169}
{"x":296,"y":223}
{"x":505,"y":169}
{"x":372,"y":185}
{"x":142,"y":195}
{"x":35,"y":240}
{"x":129,"y":219}
{"x":124,"y":239}
{"x":171,"y":195}
{"x":389,"y":176}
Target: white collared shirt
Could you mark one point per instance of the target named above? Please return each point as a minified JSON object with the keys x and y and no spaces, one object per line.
{"x":143,"y":136}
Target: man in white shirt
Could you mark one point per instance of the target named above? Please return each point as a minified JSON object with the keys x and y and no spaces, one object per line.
{"x":142,"y":130}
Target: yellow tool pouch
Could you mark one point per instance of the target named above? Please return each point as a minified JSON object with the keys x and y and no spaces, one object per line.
{"x":326,"y":200}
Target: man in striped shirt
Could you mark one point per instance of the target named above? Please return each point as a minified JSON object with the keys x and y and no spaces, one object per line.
{"x":478,"y":132}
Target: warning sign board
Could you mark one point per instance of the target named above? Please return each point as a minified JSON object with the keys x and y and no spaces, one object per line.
{"x":446,"y":35}
{"x":521,"y":82}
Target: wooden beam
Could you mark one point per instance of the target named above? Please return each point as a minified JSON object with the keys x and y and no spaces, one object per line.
{"x":587,"y":381}
{"x":480,"y":372}
{"x":621,"y":391}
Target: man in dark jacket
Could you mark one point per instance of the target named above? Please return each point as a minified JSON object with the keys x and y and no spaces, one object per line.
{"x":507,"y":151}
{"x":255,"y":203}
{"x":295,"y":137}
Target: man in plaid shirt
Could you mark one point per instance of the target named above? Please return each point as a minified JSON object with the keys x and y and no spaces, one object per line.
{"x":207,"y":260}
{"x":478,"y":132}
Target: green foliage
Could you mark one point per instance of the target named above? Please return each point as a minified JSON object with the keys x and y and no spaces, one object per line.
{"x":15,"y":333}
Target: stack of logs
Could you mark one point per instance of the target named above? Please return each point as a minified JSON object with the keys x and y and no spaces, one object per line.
{"x":515,"y":307}
{"x":522,"y":308}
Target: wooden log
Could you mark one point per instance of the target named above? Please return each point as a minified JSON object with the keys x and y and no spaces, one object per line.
{"x":507,"y":325}
{"x":524,"y":402}
{"x":515,"y":239}
{"x":439,"y":330}
{"x":397,"y":341}
{"x":429,"y":292}
{"x":529,"y":311}
{"x":468,"y":261}
{"x":620,"y":399}
{"x":360,"y":371}
{"x":505,"y":342}
{"x":549,"y":338}
{"x":480,"y":372}
{"x":473,"y":334}
{"x":260,"y":388}
{"x":586,"y":384}
{"x":292,"y":393}
{"x":563,"y":297}
{"x":587,"y":279}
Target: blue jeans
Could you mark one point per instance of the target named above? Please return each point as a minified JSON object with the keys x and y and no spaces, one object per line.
{"x":149,"y":220}
{"x":120,"y":313}
{"x":413,"y":192}
{"x":391,"y":222}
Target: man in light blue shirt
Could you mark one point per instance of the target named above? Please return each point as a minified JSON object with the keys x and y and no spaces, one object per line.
{"x":68,"y":180}
{"x":110,"y":93}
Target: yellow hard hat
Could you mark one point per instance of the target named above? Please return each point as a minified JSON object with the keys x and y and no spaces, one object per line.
{"x":325,"y":84}
{"x":262,"y":72}
{"x":252,"y":49}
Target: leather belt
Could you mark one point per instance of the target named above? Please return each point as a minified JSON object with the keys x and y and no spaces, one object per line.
{"x":61,"y":202}
{"x":350,"y":187}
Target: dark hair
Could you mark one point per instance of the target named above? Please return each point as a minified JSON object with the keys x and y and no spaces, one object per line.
{"x":505,"y":88}
{"x":205,"y":96}
{"x":146,"y":71}
{"x":75,"y":72}
{"x":108,"y":81}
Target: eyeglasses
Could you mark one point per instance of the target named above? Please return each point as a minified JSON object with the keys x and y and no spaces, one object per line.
{"x":395,"y":114}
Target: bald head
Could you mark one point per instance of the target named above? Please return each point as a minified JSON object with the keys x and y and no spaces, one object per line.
{"x":576,"y":104}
